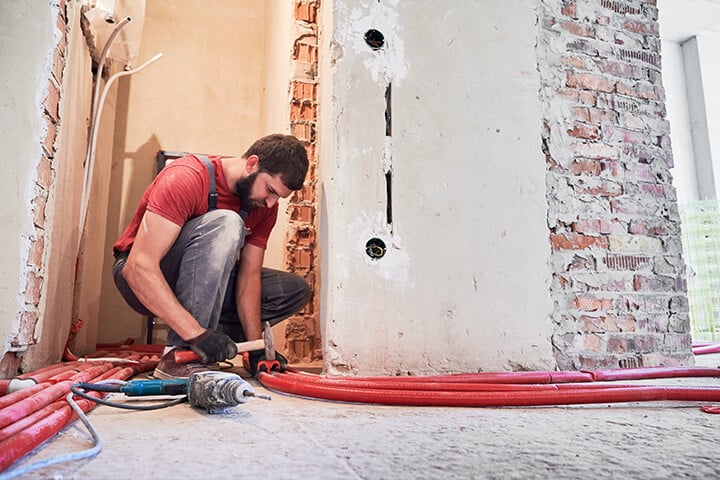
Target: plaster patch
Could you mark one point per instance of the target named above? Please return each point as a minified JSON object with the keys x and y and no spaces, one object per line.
{"x":387,"y":64}
{"x":387,"y":155}
{"x":395,"y":265}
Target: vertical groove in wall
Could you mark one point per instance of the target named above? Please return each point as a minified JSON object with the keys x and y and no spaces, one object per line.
{"x":388,"y":152}
{"x":35,"y":269}
{"x":618,"y":283}
{"x":302,"y":331}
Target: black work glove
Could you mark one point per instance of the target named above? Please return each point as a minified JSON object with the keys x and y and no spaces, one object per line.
{"x":213,"y":347}
{"x":256,"y":356}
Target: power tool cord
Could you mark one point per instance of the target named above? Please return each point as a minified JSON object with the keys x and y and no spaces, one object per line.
{"x":76,"y":390}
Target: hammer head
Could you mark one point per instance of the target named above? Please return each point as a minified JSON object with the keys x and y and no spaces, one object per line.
{"x":269,"y":343}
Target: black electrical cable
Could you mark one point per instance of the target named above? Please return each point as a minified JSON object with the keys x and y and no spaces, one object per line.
{"x":77,"y":391}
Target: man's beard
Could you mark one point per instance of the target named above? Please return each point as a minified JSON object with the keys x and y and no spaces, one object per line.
{"x":243,"y":187}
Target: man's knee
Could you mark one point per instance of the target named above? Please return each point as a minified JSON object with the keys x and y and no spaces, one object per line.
{"x":225,"y":228}
{"x":301,"y":292}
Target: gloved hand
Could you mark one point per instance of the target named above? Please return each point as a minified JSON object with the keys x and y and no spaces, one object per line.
{"x":256,"y":356}
{"x":213,"y":347}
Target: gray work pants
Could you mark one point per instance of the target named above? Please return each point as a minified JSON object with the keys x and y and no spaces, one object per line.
{"x":201,"y":269}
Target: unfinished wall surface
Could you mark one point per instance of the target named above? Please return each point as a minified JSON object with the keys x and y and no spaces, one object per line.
{"x":618,"y":285}
{"x":302,"y":331}
{"x":32,"y":59}
{"x":432,"y":144}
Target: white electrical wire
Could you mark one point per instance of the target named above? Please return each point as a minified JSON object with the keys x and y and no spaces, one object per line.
{"x":68,"y":457}
{"x":90,"y":160}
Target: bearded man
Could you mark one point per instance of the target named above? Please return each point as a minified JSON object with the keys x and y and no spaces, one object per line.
{"x":193,"y":252}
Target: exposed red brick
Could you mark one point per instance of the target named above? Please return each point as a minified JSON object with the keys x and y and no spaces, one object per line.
{"x":32,"y":288}
{"x":618,"y":344}
{"x":303,"y":111}
{"x":59,"y":61}
{"x":644,"y":227}
{"x":301,"y":213}
{"x":579,"y":29}
{"x":589,"y":304}
{"x":590,"y":81}
{"x":52,"y":102}
{"x":583,"y":97}
{"x":49,"y":142}
{"x":576,"y":61}
{"x":643,"y":27}
{"x":600,"y":116}
{"x":569,"y":8}
{"x":596,"y":150}
{"x":38,"y":209}
{"x":10,"y":365}
{"x":306,"y":12}
{"x":583,"y":130}
{"x":644,"y":91}
{"x":574,"y":241}
{"x":592,"y":167}
{"x":304,"y":237}
{"x":303,"y":131}
{"x":304,"y":91}
{"x":304,"y":195}
{"x":615,"y":134}
{"x":626,"y":323}
{"x":654,"y":189}
{"x":625,"y":262}
{"x":654,"y":283}
{"x":604,"y":188}
{"x":27,"y":322}
{"x":300,"y":259}
{"x":581,"y":114}
{"x":599,"y":226}
{"x":304,"y":52}
{"x":43,"y":175}
{"x":37,"y":249}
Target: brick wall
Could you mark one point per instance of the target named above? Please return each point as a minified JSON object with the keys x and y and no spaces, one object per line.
{"x":302,"y":331}
{"x":618,"y":283}
{"x":35,"y":269}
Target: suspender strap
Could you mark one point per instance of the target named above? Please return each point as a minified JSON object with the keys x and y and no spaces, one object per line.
{"x":212,"y":195}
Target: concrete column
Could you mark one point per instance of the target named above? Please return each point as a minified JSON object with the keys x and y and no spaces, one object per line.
{"x":699,"y":125}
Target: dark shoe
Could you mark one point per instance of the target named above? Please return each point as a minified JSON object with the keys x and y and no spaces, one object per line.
{"x":254,"y":362}
{"x":168,"y":368}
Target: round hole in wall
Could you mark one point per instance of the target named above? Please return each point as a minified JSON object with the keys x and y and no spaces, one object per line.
{"x":375,"y":39}
{"x":375,"y":248}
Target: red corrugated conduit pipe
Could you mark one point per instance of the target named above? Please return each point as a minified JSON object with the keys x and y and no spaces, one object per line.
{"x":497,"y":389}
{"x":705,"y":348}
{"x":30,"y":416}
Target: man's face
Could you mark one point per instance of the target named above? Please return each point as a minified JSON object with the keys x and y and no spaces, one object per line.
{"x":260,"y":189}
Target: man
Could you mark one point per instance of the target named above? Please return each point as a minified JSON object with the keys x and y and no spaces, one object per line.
{"x":200,"y":269}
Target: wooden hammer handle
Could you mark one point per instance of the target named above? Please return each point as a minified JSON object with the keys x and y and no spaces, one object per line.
{"x":187,"y":356}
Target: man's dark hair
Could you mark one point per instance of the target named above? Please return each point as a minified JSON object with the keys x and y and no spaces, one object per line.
{"x":281,"y":155}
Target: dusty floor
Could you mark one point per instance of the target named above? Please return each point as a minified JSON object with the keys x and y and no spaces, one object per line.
{"x":289,"y":438}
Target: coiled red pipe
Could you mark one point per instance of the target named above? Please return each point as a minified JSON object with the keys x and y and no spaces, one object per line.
{"x":39,"y":416}
{"x":47,"y":395}
{"x":24,"y":441}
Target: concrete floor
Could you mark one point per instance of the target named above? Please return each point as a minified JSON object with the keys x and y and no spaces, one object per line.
{"x":289,"y":438}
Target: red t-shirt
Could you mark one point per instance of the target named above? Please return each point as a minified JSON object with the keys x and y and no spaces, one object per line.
{"x":180,"y":193}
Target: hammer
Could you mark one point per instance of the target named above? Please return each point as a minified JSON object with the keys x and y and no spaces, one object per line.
{"x":187,"y":356}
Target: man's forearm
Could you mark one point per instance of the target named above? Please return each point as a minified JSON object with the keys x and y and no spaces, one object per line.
{"x":247,"y":298}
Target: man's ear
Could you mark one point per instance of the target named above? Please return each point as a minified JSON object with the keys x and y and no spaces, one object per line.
{"x":251,"y":164}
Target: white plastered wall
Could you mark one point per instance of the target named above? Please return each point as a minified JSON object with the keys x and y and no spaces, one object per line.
{"x":28,"y":35}
{"x":464,"y":283}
